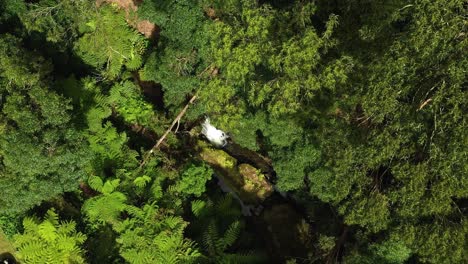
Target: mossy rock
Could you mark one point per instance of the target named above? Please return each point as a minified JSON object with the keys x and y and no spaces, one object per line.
{"x":5,"y":245}
{"x":245,"y":180}
{"x":255,"y":182}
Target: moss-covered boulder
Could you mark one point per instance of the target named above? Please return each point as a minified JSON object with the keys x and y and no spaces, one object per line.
{"x":255,"y":182}
{"x":245,"y":180}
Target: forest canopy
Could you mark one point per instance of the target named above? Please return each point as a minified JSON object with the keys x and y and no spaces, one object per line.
{"x":346,"y":124}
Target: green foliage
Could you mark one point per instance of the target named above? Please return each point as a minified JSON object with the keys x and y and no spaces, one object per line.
{"x":392,"y":148}
{"x":391,"y":251}
{"x":218,"y":227}
{"x":264,"y":68}
{"x":11,"y":8}
{"x":43,"y":154}
{"x":150,"y":235}
{"x":106,"y":207}
{"x":359,"y":105}
{"x":436,"y":242}
{"x":60,"y":20}
{"x":291,"y":165}
{"x":142,"y":181}
{"x":20,"y":68}
{"x":109,"y":145}
{"x":9,"y":224}
{"x":371,"y":211}
{"x":216,"y":244}
{"x":128,"y":102}
{"x":109,"y":44}
{"x":193,"y":180}
{"x":183,"y":52}
{"x":326,"y":243}
{"x":49,"y":241}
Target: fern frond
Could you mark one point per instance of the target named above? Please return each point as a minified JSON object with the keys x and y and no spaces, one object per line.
{"x":198,"y":207}
{"x":135,"y":211}
{"x":105,"y":208}
{"x":52,"y":217}
{"x":101,"y":100}
{"x":66,"y":227}
{"x":211,"y":238}
{"x":226,"y":208}
{"x":30,"y":224}
{"x":95,"y":183}
{"x":231,"y":234}
{"x":54,"y":241}
{"x":114,"y":94}
{"x":47,"y":231}
{"x":134,"y":63}
{"x":141,"y":182}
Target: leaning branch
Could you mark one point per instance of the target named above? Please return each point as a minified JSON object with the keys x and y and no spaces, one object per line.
{"x":176,"y":121}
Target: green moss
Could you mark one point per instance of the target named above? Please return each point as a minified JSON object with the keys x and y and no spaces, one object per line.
{"x":244,"y":179}
{"x":216,"y":156}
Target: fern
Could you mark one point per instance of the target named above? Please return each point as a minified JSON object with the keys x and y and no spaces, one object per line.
{"x":95,"y":183}
{"x":232,"y":234}
{"x":47,"y":231}
{"x":110,"y":186}
{"x":218,"y":227}
{"x":225,"y":206}
{"x":134,"y":63}
{"x":135,"y":212}
{"x":142,"y":181}
{"x":211,"y":240}
{"x":106,"y":207}
{"x":129,"y":103}
{"x":49,"y":241}
{"x":198,"y":207}
{"x":151,"y":236}
{"x":111,"y":43}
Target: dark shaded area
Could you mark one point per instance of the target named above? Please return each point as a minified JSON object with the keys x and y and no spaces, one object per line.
{"x":7,"y":258}
{"x":102,"y":247}
{"x":152,"y":91}
{"x":284,"y":231}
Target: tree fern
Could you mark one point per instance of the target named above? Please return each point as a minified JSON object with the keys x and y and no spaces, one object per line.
{"x":106,"y":207}
{"x":128,"y":102}
{"x":152,"y":236}
{"x":110,"y":43}
{"x":49,"y":241}
{"x":218,"y":227}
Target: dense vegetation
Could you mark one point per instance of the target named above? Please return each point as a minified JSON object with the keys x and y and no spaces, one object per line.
{"x":359,"y":107}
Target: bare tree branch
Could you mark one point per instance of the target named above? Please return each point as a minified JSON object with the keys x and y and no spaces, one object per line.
{"x":176,"y":121}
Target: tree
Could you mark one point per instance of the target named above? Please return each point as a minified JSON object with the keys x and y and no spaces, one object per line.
{"x":396,"y":144}
{"x":183,"y":52}
{"x":60,"y":21}
{"x":42,"y":153}
{"x":108,"y":43}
